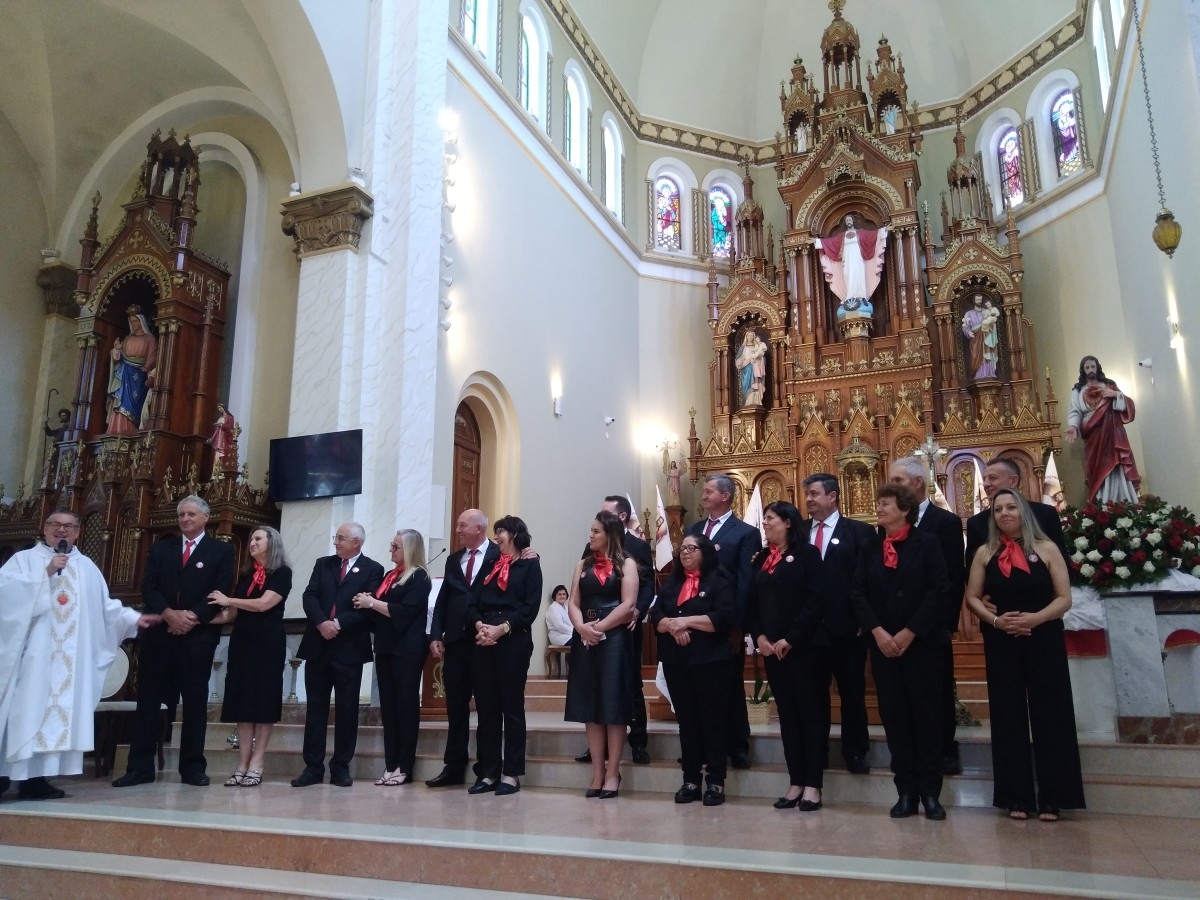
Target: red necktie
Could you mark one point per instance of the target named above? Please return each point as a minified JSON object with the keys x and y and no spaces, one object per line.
{"x":708,"y":529}
{"x":819,"y":542}
{"x":470,"y":566}
{"x":187,"y":551}
{"x":345,"y":565}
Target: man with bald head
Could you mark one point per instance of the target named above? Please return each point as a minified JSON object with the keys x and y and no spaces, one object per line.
{"x":452,"y":636}
{"x":335,"y":645}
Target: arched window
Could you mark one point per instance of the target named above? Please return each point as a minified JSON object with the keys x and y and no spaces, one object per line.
{"x":533,"y":46}
{"x":720,"y":214}
{"x":668,"y":231}
{"x":613,"y":151}
{"x":1100,"y":48}
{"x":1117,"y":9}
{"x":1009,"y":153}
{"x":575,"y":117}
{"x":477,"y":25}
{"x":1066,"y":137}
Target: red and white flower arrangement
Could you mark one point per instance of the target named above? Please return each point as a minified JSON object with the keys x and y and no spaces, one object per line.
{"x":1118,"y":545}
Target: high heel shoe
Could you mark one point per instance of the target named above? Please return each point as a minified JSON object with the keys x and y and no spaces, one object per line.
{"x":592,"y":793}
{"x":608,"y":795}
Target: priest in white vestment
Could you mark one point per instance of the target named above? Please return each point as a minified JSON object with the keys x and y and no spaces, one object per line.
{"x":59,"y":632}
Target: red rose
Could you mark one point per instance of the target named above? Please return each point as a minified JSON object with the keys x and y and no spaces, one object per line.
{"x":1107,"y":567}
{"x":1104,"y":545}
{"x":1176,"y":542}
{"x":1103,"y":518}
{"x":1138,"y":557}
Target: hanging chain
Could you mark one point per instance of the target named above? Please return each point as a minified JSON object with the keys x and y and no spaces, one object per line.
{"x":1137,"y":25}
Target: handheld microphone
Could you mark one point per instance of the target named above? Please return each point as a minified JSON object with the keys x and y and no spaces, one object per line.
{"x":63,"y":547}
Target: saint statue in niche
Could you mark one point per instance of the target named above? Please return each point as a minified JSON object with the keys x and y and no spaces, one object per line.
{"x":131,"y":374}
{"x":751,"y":363}
{"x":852,"y":262}
{"x":224,"y":436}
{"x":979,"y":327}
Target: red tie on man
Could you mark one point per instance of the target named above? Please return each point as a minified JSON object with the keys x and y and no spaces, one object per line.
{"x":187,"y":551}
{"x":819,"y":542}
{"x":341,"y":578}
{"x":708,"y":529}
{"x":470,"y":566}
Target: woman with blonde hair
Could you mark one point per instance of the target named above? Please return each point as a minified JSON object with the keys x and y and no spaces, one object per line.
{"x":398,"y":611}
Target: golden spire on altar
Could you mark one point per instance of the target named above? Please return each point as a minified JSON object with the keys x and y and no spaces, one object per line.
{"x":836,"y":7}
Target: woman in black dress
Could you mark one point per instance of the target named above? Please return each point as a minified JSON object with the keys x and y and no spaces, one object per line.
{"x":398,"y":610}
{"x":899,"y":593}
{"x":786,"y":617}
{"x":257,"y":652}
{"x":599,"y":694}
{"x":1024,"y":579}
{"x":502,"y":614}
{"x":692,"y":616}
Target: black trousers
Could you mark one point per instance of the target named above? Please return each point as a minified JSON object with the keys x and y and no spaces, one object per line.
{"x":909,"y":705}
{"x":322,"y":677}
{"x":167,"y":664}
{"x":400,"y":708}
{"x":949,"y":725}
{"x":737,"y":724}
{"x":456,"y":678}
{"x":637,"y":717}
{"x":800,"y":683}
{"x":703,"y":725}
{"x":848,"y":667}
{"x":499,"y":673}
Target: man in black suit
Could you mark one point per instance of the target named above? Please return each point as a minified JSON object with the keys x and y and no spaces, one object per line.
{"x":1005,"y":473}
{"x":736,"y":543}
{"x":839,"y":541}
{"x":178,"y":655}
{"x":948,"y":529}
{"x":336,"y":643}
{"x":453,"y":638}
{"x":639,"y":550}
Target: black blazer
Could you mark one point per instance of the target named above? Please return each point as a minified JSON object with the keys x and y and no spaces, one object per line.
{"x":324,"y":595}
{"x":716,"y":601}
{"x":911,"y":596}
{"x":842,"y":548}
{"x":789,"y":602}
{"x":639,"y":550}
{"x":1046,"y":516}
{"x":450,"y":610}
{"x":947,"y":528}
{"x":517,"y":604}
{"x":736,"y":544}
{"x":403,"y":634}
{"x":168,"y":584}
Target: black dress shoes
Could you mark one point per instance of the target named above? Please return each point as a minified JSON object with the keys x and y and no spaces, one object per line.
{"x":933,"y":809}
{"x":785,"y":803}
{"x":341,"y":779}
{"x":446,"y":778}
{"x":689,"y":793}
{"x":195,"y":779}
{"x":39,"y":789}
{"x":504,"y":789}
{"x":714,"y":795}
{"x":809,"y":805}
{"x":905,"y":807}
{"x":584,"y":757}
{"x":308,"y":777}
{"x":739,"y":761}
{"x":482,"y":787}
{"x":129,"y":779}
{"x":641,"y":757}
{"x":592,"y":793}
{"x":857,"y":765}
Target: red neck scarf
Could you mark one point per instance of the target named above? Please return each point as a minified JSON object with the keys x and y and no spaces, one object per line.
{"x":1011,"y":557}
{"x":259,"y":580}
{"x":890,"y":558}
{"x":603,"y":567}
{"x":388,"y":580}
{"x":691,"y":587}
{"x":500,"y":572}
{"x":772,"y":560}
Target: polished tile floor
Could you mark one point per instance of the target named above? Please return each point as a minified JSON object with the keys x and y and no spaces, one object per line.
{"x":1086,"y":854}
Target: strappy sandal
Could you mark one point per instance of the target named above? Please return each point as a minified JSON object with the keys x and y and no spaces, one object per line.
{"x":253,"y":778}
{"x":383,"y":779}
{"x":1018,"y":812}
{"x":237,"y":779}
{"x":396,"y":780}
{"x":1048,"y":813}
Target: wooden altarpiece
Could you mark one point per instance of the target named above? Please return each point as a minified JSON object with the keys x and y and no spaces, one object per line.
{"x":124,"y":485}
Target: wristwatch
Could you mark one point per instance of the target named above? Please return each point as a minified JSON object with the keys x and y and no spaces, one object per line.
{"x":507,"y":628}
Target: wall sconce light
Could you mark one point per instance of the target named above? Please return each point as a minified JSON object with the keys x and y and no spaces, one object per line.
{"x":449,"y":206}
{"x":447,"y":280}
{"x":446,"y":302}
{"x":558,"y":405}
{"x":447,"y":238}
{"x":445,"y":323}
{"x":447,"y":261}
{"x":1176,"y":335}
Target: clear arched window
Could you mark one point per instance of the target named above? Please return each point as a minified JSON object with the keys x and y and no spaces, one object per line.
{"x":1008,"y":151}
{"x":1100,"y":48}
{"x":668,"y":234}
{"x":1066,"y":136}
{"x":720,"y":214}
{"x":612,"y":165}
{"x":575,"y":117}
{"x":476,"y":24}
{"x":533,"y":48}
{"x":569,"y":106}
{"x":526,"y":40}
{"x":1117,"y":8}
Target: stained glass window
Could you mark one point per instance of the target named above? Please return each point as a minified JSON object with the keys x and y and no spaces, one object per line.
{"x":720,"y":213}
{"x":667,"y":228}
{"x":1009,"y":152}
{"x":1066,"y":139}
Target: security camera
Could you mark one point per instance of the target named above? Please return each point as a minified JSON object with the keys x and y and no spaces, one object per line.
{"x":608,"y":420}
{"x":1147,"y":363}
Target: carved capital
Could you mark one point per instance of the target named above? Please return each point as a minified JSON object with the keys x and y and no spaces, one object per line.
{"x":57,"y":281}
{"x":328,"y":220}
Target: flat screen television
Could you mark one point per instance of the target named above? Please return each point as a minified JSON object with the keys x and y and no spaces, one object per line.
{"x":316,"y":465}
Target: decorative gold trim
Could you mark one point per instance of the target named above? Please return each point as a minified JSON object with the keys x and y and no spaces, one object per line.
{"x":331,"y":219}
